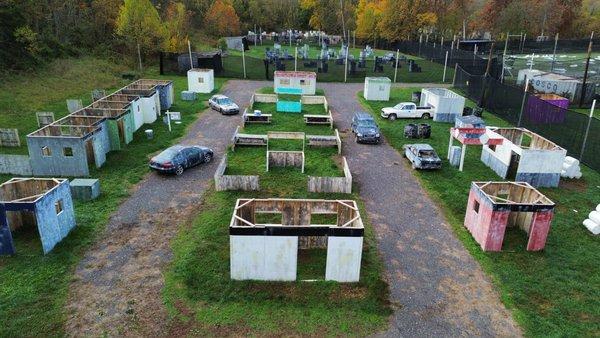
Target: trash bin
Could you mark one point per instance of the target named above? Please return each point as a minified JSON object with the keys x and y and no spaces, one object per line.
{"x":149,"y":134}
{"x":467,"y":111}
{"x":416,"y":97}
{"x":424,"y":130}
{"x":411,"y":130}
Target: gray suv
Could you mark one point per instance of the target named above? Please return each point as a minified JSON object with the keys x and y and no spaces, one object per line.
{"x":365,"y":128}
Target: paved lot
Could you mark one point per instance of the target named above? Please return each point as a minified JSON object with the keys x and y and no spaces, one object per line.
{"x":438,"y":289}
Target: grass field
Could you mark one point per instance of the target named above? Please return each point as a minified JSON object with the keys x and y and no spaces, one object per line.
{"x":255,"y":68}
{"x":34,"y":287}
{"x":200,"y":293}
{"x":555,"y":292}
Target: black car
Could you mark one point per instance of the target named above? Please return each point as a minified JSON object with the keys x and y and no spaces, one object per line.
{"x":176,"y":159}
{"x":365,"y":128}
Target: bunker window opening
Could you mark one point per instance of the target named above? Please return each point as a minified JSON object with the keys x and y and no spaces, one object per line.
{"x":59,"y":207}
{"x":476,"y":207}
{"x":46,"y":152}
{"x":68,"y":152}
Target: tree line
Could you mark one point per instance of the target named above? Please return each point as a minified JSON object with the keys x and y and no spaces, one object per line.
{"x":34,"y":31}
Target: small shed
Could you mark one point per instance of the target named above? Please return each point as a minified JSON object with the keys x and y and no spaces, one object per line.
{"x":552,"y":83}
{"x":546,"y":108}
{"x":45,"y":203}
{"x":494,"y":206}
{"x":447,"y":104}
{"x":377,"y":88}
{"x":201,"y":80}
{"x":524,"y":156}
{"x":305,"y":81}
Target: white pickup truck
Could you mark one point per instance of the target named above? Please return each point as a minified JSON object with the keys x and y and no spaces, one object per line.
{"x":406,"y":110}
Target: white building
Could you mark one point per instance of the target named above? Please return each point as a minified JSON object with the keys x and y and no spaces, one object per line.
{"x":551,"y":83}
{"x":306,"y":81}
{"x":447,"y":104}
{"x":201,"y":80}
{"x":377,"y":88}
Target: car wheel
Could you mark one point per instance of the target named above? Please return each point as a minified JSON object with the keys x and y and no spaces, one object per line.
{"x":207,"y":157}
{"x":426,"y":116}
{"x":392,"y":117}
{"x":356,"y":139}
{"x":179,"y":170}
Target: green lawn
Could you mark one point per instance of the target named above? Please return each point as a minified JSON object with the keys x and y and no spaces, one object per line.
{"x":255,"y":69}
{"x":200,"y":295}
{"x":555,"y":292}
{"x":34,"y":287}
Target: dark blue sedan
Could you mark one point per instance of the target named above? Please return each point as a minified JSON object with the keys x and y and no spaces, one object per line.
{"x":176,"y":159}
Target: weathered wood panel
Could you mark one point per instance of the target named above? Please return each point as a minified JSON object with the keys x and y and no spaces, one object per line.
{"x":234,"y":182}
{"x":332,"y":184}
{"x":326,"y":141}
{"x":264,"y":98}
{"x":276,"y":158}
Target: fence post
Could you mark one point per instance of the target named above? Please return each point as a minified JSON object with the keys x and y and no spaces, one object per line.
{"x":244,"y":61}
{"x":523,"y":102}
{"x":296,"y":60}
{"x":190,"y":54}
{"x":396,"y":69}
{"x":139,"y":57}
{"x":454,"y":77}
{"x":445,"y":66}
{"x":346,"y":64}
{"x":554,"y":53}
{"x":585,"y":75}
{"x":587,"y":130}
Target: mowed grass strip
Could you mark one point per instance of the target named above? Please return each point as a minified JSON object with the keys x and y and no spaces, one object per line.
{"x":554,"y":292}
{"x":34,"y":287}
{"x":200,"y":295}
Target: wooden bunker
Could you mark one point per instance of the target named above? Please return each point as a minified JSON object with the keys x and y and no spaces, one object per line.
{"x":260,"y":251}
{"x":494,"y":206}
{"x":43,"y":203}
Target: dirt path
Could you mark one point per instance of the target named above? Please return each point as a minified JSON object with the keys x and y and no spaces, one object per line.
{"x":117,"y":285}
{"x":438,"y":288}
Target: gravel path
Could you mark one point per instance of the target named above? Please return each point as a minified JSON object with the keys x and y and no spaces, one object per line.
{"x":117,"y":285}
{"x":436,"y":286}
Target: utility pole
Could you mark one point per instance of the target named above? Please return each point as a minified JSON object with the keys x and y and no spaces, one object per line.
{"x":554,"y":53}
{"x":585,"y":75}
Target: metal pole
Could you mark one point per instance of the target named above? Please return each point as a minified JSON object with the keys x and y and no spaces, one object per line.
{"x":489,"y":63}
{"x":585,"y":75}
{"x":420,"y":42}
{"x":454,"y":76}
{"x":523,"y":45}
{"x":190,"y":52}
{"x":244,"y":61}
{"x":346,"y":65}
{"x":445,"y":66}
{"x":554,"y":53}
{"x":255,"y":36}
{"x":523,"y":102}
{"x":139,"y":57}
{"x":587,"y":130}
{"x":504,"y":57}
{"x":296,"y":60}
{"x":396,"y":69}
{"x":354,"y":38}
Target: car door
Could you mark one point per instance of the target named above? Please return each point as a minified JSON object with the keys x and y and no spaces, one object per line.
{"x":193,"y":156}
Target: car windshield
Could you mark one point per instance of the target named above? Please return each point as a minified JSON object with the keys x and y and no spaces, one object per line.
{"x":224,"y":101}
{"x":367,"y":123}
{"x":167,"y":155}
{"x":427,"y":153}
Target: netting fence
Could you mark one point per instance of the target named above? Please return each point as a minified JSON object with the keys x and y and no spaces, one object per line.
{"x":565,"y":127}
{"x":332,"y":70}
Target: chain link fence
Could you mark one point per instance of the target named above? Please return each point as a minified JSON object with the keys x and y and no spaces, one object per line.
{"x":575,"y":131}
{"x":332,"y":70}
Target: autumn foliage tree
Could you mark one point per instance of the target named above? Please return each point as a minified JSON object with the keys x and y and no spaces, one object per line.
{"x":139,"y":23}
{"x":176,"y":27}
{"x":221,"y":20}
{"x":368,"y":15}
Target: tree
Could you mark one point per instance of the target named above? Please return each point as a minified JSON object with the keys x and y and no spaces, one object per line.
{"x":403,"y":19}
{"x":139,"y":23}
{"x":368,"y":14}
{"x":221,"y":20}
{"x":176,"y":27}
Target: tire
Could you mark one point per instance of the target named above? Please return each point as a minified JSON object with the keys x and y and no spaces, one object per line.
{"x":179,"y":170}
{"x":392,"y":117}
{"x":207,"y":157}
{"x":426,"y":116}
{"x":356,"y":139}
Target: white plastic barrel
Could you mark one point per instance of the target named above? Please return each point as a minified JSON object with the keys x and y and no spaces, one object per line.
{"x":595,"y":216}
{"x":592,"y":226}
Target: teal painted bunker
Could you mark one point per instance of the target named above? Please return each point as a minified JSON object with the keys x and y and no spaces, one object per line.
{"x":85,"y":189}
{"x":45,"y":203}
